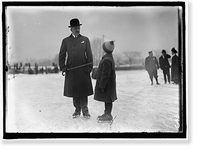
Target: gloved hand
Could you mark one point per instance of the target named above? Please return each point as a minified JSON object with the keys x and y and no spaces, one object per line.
{"x":88,"y":69}
{"x":64,"y":71}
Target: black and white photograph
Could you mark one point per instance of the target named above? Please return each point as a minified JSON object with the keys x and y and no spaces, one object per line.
{"x":94,"y":70}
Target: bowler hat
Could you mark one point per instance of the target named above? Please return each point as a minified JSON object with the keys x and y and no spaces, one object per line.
{"x":74,"y":22}
{"x":108,"y":47}
{"x":173,"y":50}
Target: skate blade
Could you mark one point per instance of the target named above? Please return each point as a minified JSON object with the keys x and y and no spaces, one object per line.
{"x":74,"y":117}
{"x":107,"y":121}
{"x":86,"y":117}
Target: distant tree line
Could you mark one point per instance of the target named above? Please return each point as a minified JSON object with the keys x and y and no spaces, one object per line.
{"x":43,"y":62}
{"x":124,"y":58}
{"x":33,"y":67}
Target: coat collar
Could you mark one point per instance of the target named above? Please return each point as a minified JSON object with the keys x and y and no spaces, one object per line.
{"x":107,"y":55}
{"x":151,"y":56}
{"x":73,"y":36}
{"x":74,"y":41}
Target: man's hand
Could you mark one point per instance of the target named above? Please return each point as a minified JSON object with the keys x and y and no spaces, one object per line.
{"x":88,"y":69}
{"x":64,"y":71}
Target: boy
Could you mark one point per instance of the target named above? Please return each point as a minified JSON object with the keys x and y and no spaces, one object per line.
{"x":105,"y":89}
{"x":164,"y":65}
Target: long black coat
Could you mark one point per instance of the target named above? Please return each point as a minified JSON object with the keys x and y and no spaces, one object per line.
{"x":106,"y":79}
{"x":75,"y":52}
{"x":175,"y":68}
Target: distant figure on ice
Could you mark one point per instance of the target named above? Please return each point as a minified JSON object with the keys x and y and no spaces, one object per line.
{"x":36,"y":68}
{"x":151,"y":65}
{"x":175,"y":66}
{"x":76,"y":51}
{"x":105,"y":89}
{"x":164,"y":65}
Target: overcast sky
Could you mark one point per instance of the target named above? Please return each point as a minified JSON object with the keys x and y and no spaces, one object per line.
{"x":37,"y":32}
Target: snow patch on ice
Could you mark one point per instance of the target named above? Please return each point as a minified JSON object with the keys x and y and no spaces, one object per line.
{"x":35,"y":103}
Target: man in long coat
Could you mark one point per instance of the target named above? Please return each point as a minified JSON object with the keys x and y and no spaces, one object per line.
{"x":105,"y":89}
{"x":75,"y":61}
{"x":164,"y":65}
{"x":151,"y":65}
{"x":175,"y":67}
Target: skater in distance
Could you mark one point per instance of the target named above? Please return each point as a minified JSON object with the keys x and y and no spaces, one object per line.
{"x":175,"y":67}
{"x":164,"y":65}
{"x":105,"y":89}
{"x":75,"y":51}
{"x":151,"y":65}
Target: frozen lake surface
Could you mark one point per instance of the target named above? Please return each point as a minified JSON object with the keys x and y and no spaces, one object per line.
{"x":35,"y":103}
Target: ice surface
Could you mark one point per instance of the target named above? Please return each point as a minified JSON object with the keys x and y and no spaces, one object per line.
{"x":35,"y":103}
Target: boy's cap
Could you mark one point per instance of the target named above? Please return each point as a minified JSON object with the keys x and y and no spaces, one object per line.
{"x":109,"y":46}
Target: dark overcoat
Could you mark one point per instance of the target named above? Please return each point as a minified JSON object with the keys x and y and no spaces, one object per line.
{"x":175,"y":68}
{"x":106,"y":80}
{"x":164,"y":63}
{"x":75,"y":52}
{"x":151,"y":64}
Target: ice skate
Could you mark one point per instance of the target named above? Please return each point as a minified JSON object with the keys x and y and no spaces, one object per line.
{"x":76,"y":114}
{"x":105,"y":118}
{"x":86,"y":115}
